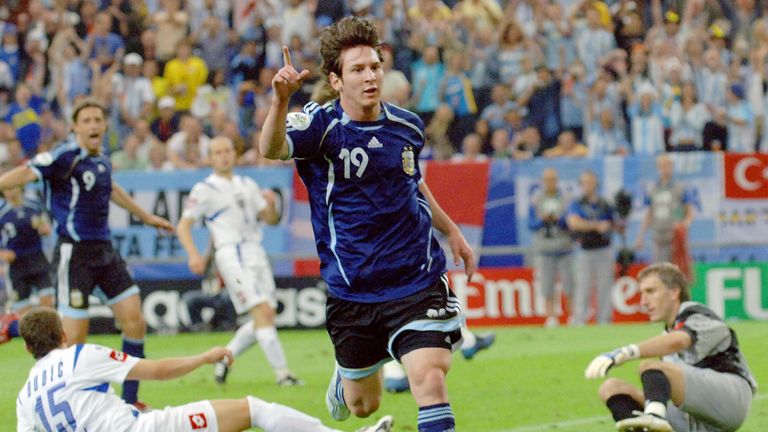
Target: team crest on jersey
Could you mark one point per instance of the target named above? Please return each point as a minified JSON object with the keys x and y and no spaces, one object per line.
{"x":76,"y":298}
{"x":409,"y":161}
{"x":299,"y":120}
{"x":118,"y":356}
{"x":101,"y":168}
{"x":198,"y":421}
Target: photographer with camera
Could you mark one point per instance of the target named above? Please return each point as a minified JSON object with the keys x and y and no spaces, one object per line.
{"x":552,"y":243}
{"x":591,"y":219}
{"x":669,"y":214}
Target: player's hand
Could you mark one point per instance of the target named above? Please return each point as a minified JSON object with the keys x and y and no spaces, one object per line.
{"x":602,"y":363}
{"x":197,"y":264}
{"x":8,"y":256}
{"x":159,"y":222}
{"x":461,"y":251}
{"x":287,"y":80}
{"x":217,"y":354}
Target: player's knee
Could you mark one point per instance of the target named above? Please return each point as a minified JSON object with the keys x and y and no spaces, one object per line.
{"x":611,"y":387}
{"x":365,"y":406}
{"x":134,"y":325}
{"x":651,"y":364}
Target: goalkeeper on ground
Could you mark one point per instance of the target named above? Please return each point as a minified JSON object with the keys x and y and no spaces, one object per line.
{"x":701,"y":383}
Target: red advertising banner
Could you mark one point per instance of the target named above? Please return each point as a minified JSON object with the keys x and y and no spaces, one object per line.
{"x":509,"y":296}
{"x":746,"y":176}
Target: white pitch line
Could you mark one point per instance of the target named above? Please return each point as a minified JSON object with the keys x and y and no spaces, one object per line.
{"x":584,"y":421}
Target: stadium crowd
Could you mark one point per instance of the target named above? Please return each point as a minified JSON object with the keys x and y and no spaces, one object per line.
{"x":502,"y":79}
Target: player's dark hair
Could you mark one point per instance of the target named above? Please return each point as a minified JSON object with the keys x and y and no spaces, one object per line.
{"x":86,"y":103}
{"x":42,"y":331}
{"x":346,"y":33}
{"x":670,"y":275}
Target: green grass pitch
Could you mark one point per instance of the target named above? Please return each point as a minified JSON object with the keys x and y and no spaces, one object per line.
{"x":530,"y":380}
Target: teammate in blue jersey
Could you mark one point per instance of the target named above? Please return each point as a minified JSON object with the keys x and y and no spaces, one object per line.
{"x":373,"y":219}
{"x":78,"y":186}
{"x":22,"y":222}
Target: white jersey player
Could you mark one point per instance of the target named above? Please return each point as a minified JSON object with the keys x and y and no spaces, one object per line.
{"x":69,"y":390}
{"x":234,"y":208}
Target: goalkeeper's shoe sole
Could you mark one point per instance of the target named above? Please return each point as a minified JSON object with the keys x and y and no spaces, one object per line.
{"x":644,"y":423}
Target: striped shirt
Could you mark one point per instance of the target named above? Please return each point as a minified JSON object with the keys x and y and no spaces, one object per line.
{"x":647,"y":130}
{"x":741,"y":138}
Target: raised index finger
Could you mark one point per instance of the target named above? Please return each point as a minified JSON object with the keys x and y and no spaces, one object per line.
{"x":286,"y":56}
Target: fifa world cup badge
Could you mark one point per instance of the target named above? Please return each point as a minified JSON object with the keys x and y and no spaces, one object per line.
{"x":76,"y":298}
{"x":409,"y":162}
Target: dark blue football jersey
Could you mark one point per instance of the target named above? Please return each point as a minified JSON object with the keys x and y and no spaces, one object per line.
{"x":372,"y":225}
{"x":77,"y":188}
{"x":16,"y":227}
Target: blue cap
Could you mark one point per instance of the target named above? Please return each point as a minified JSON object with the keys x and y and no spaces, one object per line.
{"x":737,"y":90}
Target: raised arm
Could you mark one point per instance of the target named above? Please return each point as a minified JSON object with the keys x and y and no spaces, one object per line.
{"x":17,"y":177}
{"x":170,"y":368}
{"x":120,"y":197}
{"x":287,"y":81}
{"x":442,"y":222}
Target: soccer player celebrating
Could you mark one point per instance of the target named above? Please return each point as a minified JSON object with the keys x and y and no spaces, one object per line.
{"x":702,"y":382}
{"x":23,"y":222}
{"x":78,"y":183}
{"x":372,"y":216}
{"x":68,"y":389}
{"x":234,"y":208}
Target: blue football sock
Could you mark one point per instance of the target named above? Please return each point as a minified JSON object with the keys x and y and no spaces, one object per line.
{"x":13,"y":329}
{"x":135,"y":348}
{"x":436,"y":418}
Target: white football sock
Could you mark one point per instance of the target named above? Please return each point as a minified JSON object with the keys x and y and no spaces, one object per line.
{"x":273,"y":350}
{"x":393,"y":370}
{"x":273,"y":417}
{"x":469,"y":338}
{"x":243,"y":339}
{"x":656,"y":408}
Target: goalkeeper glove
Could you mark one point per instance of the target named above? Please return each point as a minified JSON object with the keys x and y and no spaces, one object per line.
{"x":602,"y":363}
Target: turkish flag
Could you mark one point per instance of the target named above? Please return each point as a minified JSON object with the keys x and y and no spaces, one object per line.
{"x":746,"y":176}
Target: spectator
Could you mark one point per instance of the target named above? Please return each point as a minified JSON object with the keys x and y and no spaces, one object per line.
{"x":184,"y":74}
{"x":134,"y":95}
{"x":741,"y":121}
{"x":500,"y":144}
{"x":167,"y":123}
{"x":483,"y":13}
{"x":129,"y":157}
{"x":102,"y":45}
{"x":647,"y":128}
{"x":214,"y":96}
{"x":188,"y":148}
{"x":592,"y":39}
{"x":214,"y":42}
{"x":396,"y":88}
{"x":712,"y":81}
{"x":438,"y":145}
{"x":591,"y":220}
{"x":9,"y":50}
{"x":555,"y":31}
{"x":526,"y":144}
{"x":427,"y":75}
{"x":543,"y":102}
{"x":688,"y":117}
{"x":148,"y":45}
{"x":495,"y":113}
{"x":512,"y":49}
{"x":157,"y":158}
{"x":471,"y":150}
{"x":456,"y":91}
{"x":150,"y":70}
{"x":24,"y":115}
{"x":484,"y":67}
{"x":605,"y":138}
{"x":567,"y":146}
{"x":247,"y":64}
{"x":171,"y":23}
{"x":573,"y":100}
{"x":298,"y":19}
